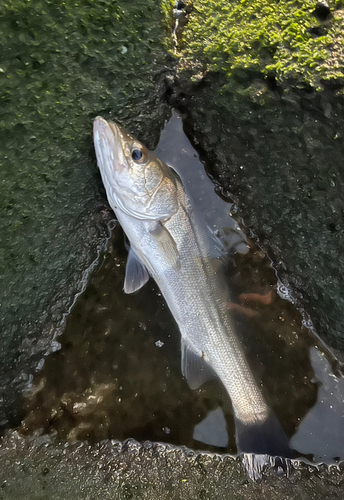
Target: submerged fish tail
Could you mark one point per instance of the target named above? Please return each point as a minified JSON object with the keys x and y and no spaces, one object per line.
{"x":263,"y":444}
{"x":255,"y":465}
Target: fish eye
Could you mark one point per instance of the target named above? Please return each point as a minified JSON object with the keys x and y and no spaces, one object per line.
{"x":136,"y":154}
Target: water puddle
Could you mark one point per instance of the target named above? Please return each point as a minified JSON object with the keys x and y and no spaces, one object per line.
{"x":117,"y":373}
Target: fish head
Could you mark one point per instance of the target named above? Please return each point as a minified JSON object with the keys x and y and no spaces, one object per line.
{"x":136,"y":181}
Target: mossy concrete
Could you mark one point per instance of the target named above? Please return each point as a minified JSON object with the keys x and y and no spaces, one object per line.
{"x":63,"y":63}
{"x":290,"y":41}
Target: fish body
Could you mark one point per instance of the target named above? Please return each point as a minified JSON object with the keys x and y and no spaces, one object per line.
{"x":170,"y":243}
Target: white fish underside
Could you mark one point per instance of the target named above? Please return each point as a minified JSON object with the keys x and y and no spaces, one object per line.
{"x":197,"y":299}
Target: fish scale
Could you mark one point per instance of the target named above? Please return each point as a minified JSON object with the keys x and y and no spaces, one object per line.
{"x":205,"y":322}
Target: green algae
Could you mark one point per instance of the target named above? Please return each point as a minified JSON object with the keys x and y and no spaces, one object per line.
{"x":280,"y":39}
{"x":62,"y":63}
{"x":166,"y":7}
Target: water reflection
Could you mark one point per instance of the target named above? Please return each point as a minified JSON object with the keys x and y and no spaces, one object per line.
{"x":212,"y":429}
{"x":321,"y":432}
{"x":175,"y":149}
{"x":117,"y":374}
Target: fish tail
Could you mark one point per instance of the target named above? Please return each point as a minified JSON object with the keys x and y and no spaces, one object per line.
{"x":263,"y":444}
{"x":255,"y":465}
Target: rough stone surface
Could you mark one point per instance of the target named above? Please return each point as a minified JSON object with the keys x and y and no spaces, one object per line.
{"x":130,"y":470}
{"x":279,"y":154}
{"x":276,"y":149}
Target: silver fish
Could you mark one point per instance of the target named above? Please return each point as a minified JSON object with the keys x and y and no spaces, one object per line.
{"x":170,"y":244}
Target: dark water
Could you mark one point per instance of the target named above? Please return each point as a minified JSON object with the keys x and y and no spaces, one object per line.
{"x":117,"y":371}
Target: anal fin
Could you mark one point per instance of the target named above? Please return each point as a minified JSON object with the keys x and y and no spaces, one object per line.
{"x":195,"y":367}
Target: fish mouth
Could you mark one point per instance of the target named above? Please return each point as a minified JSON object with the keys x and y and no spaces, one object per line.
{"x":107,"y":144}
{"x":105,"y":128}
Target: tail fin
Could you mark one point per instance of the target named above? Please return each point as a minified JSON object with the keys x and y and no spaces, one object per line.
{"x":256,"y":464}
{"x":263,"y":444}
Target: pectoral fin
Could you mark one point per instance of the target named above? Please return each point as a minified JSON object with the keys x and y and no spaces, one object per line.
{"x":167,"y":245}
{"x":136,"y":274}
{"x":195,"y":367}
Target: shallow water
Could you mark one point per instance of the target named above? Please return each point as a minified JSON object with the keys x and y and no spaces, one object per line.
{"x":117,"y":372}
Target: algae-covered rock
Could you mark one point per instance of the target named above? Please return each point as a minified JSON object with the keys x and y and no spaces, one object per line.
{"x":298,"y":41}
{"x":63,"y":63}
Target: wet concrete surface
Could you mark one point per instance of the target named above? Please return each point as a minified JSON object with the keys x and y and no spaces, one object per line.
{"x":79,"y":400}
{"x":110,"y":470}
